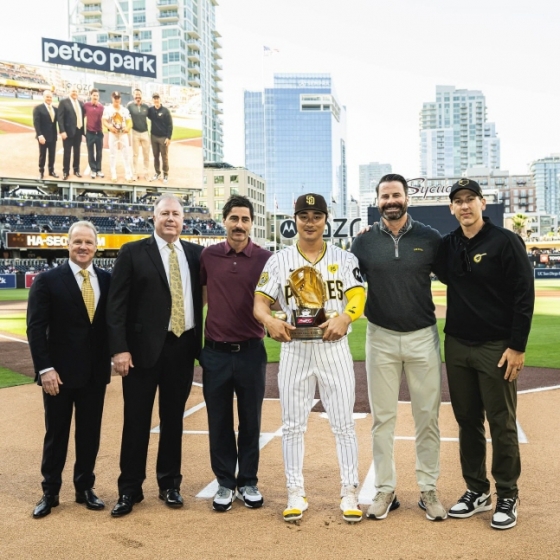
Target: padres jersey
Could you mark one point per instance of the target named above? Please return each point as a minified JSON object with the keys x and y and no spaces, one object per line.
{"x":340,"y":271}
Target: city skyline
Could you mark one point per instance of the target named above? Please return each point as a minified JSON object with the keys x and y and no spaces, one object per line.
{"x":386,"y":61}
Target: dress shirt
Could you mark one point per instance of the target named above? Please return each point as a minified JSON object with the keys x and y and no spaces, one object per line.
{"x":165,"y":251}
{"x":80,"y":280}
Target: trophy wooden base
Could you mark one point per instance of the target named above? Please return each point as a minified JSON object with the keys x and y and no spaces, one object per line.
{"x":307,"y":333}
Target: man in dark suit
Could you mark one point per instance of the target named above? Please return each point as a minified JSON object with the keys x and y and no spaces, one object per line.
{"x":155,"y":331}
{"x":71,"y":127}
{"x":44,"y":121}
{"x":67,"y":334}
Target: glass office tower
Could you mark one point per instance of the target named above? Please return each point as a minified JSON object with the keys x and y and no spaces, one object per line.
{"x":296,"y":139}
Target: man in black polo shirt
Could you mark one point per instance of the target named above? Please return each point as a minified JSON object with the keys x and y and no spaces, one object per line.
{"x":234,"y":357}
{"x":162,"y":129}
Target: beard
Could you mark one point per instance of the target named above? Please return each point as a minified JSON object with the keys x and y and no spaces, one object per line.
{"x":394,"y":211}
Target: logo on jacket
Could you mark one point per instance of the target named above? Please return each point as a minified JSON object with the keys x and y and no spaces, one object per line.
{"x":478,"y":258}
{"x":263,"y":279}
{"x":332,"y":268}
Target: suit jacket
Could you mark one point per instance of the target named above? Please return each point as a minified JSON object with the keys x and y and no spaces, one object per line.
{"x":139,"y":303}
{"x":43,"y":124}
{"x":66,"y":117}
{"x":60,"y":333}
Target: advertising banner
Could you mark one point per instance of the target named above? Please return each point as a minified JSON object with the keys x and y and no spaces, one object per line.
{"x":30,"y":277}
{"x":105,"y":241}
{"x":7,"y":281}
{"x":82,"y":55}
{"x":547,"y":273}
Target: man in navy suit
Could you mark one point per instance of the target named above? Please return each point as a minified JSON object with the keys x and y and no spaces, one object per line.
{"x":44,"y":122}
{"x":154,"y":314}
{"x":67,"y":334}
{"x":71,"y":127}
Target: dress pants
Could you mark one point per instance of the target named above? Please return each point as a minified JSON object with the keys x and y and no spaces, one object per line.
{"x":244,"y":373}
{"x":477,"y":386}
{"x":88,"y":403}
{"x":173,"y":375}
{"x":95,"y":150}
{"x":49,"y":147}
{"x":140,"y":140}
{"x":388,"y":354}
{"x":72,"y":144}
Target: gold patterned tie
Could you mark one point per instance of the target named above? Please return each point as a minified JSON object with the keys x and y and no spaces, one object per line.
{"x":78,"y":112}
{"x":176,"y":286}
{"x":88,"y":295}
{"x":51,"y":112}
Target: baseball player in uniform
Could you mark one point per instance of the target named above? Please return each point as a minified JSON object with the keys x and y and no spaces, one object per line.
{"x":306,"y":363}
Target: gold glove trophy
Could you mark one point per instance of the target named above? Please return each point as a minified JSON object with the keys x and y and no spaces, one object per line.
{"x":118,"y":122}
{"x":310,"y":293}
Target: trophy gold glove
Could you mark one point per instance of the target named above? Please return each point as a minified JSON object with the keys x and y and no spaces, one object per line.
{"x":308,"y":287}
{"x":356,"y":302}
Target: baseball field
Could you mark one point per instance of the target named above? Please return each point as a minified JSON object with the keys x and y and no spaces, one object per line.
{"x":153,"y":531}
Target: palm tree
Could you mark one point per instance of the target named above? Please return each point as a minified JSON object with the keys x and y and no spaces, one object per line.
{"x":518,"y":223}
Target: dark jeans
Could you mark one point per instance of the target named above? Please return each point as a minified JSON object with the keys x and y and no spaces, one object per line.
{"x":173,"y":375}
{"x":223,"y":374}
{"x":72,"y":144}
{"x":88,"y":402}
{"x":477,"y":386}
{"x":159,"y":148}
{"x":49,"y":147}
{"x":94,"y":142}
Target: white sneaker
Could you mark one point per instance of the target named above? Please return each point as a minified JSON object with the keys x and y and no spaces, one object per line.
{"x":250,"y":496}
{"x":470,"y":503}
{"x":99,"y":174}
{"x":223,"y":499}
{"x":297,"y":504}
{"x":93,"y":174}
{"x":505,"y":516}
{"x":382,"y":504}
{"x":351,"y":511}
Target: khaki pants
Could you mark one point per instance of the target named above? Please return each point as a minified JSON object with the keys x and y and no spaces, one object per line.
{"x":140,"y":140}
{"x":159,"y":148}
{"x":388,"y":354}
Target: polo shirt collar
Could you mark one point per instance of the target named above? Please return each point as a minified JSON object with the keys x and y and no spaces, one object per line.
{"x":247,"y":251}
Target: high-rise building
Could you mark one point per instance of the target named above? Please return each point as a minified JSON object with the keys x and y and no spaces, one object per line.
{"x":546,"y":178}
{"x":183,"y":36}
{"x":295,"y":137}
{"x":370,"y":174}
{"x":454,"y":134}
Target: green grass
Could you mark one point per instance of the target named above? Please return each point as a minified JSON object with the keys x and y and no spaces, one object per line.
{"x":14,"y":295}
{"x":13,"y":323}
{"x":9,"y":378}
{"x":183,"y":133}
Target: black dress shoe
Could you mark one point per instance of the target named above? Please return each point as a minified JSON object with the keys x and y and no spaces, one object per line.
{"x":77,"y":174}
{"x":64,"y":176}
{"x":125,"y":503}
{"x":89,"y":498}
{"x":53,"y":174}
{"x":41,"y":176}
{"x":44,"y":505}
{"x":171,"y":497}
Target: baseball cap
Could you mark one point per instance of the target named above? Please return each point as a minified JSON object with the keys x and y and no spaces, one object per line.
{"x":155,"y":96}
{"x":468,"y":184}
{"x":311,"y":201}
{"x":116,"y":94}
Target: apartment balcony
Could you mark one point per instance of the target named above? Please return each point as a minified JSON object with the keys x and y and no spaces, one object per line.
{"x":217,"y":66}
{"x":91,"y":22}
{"x":194,"y":56}
{"x":216,"y":87}
{"x":216,"y":55}
{"x":87,"y":2}
{"x":168,"y":4}
{"x":91,"y":10}
{"x":193,"y":80}
{"x":168,"y":16}
{"x":193,"y":34}
{"x":193,"y":44}
{"x":217,"y":98}
{"x":193,"y":68}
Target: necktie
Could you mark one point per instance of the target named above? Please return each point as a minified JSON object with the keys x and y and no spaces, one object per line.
{"x":51,"y":112}
{"x":88,"y":295}
{"x":78,"y":112}
{"x":176,"y":286}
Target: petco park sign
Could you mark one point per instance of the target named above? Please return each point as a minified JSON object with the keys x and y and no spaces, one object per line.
{"x":98,"y":58}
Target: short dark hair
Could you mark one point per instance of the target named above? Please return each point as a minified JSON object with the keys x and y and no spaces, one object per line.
{"x":393,"y":177}
{"x":137,"y":89}
{"x":238,"y":201}
{"x":94,"y":90}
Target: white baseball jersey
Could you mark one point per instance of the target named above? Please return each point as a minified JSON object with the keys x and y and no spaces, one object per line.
{"x":340,"y":271}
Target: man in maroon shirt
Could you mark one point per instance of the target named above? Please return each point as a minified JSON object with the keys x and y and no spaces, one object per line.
{"x":93,"y":113}
{"x":234,"y":357}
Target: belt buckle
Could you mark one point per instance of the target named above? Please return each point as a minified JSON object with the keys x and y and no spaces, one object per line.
{"x":235,"y":347}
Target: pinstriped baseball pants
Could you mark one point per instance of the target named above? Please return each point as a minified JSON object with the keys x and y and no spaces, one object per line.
{"x":303,"y":366}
